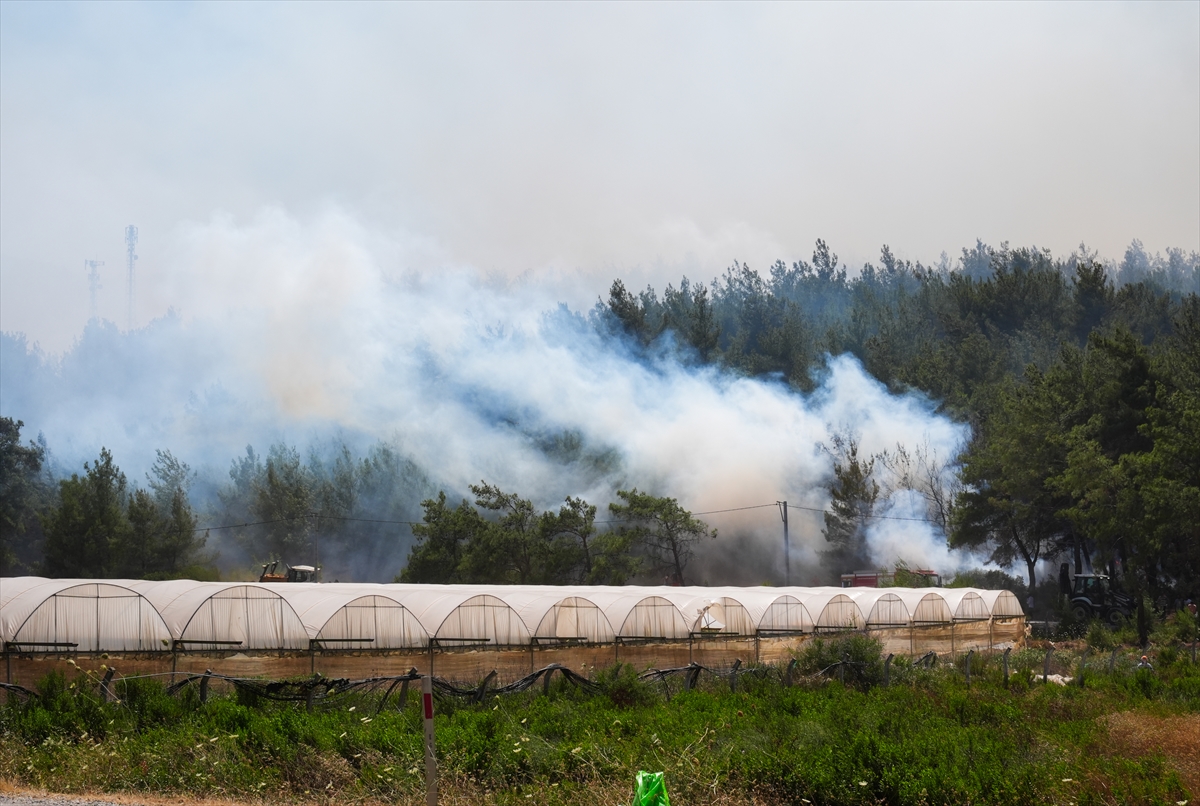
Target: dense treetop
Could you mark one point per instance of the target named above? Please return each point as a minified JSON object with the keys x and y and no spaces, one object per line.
{"x":1080,"y":381}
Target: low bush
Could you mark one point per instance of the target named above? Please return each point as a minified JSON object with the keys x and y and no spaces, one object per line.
{"x":854,"y":658}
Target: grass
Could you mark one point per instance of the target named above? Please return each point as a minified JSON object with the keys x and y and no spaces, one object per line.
{"x":924,"y":739}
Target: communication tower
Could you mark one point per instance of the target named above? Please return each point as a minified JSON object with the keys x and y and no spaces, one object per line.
{"x":93,"y":282}
{"x":131,"y":239}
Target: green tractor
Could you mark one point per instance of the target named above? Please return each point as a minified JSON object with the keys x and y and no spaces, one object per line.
{"x":1093,"y":596}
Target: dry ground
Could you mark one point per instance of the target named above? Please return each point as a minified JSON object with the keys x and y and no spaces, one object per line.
{"x":1176,"y":737}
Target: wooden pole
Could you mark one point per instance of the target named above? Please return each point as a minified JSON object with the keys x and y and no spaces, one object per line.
{"x":787,"y":558}
{"x":430,"y":745}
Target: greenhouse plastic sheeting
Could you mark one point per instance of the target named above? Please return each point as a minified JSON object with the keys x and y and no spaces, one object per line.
{"x":140,"y":615}
{"x":79,"y":615}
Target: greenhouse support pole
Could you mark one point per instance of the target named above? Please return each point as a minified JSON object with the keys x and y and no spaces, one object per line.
{"x":430,"y":745}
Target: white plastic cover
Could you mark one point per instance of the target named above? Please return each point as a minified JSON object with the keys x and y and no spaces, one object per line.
{"x":140,"y":615}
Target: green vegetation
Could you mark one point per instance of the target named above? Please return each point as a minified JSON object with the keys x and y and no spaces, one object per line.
{"x":1080,"y":381}
{"x":924,"y":739}
{"x":518,"y":545}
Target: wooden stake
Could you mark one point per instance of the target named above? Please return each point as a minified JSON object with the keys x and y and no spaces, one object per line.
{"x":430,"y":746}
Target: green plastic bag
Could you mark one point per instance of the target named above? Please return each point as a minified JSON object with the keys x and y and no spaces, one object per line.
{"x":651,"y":790}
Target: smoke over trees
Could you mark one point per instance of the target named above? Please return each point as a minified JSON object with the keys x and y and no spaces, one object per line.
{"x":1075,"y":379}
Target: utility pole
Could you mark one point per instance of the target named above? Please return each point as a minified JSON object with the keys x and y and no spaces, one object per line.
{"x":93,"y":283}
{"x":787,"y":553}
{"x":131,"y":239}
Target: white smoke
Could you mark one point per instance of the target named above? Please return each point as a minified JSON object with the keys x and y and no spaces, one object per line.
{"x":299,"y":332}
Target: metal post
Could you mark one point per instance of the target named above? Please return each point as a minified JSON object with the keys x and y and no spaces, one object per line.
{"x":787,"y":676}
{"x":1046,"y":666}
{"x":430,"y":746}
{"x":1007,"y":649}
{"x":887,"y":670}
{"x":546,"y":679}
{"x":842,"y":669}
{"x":1082,"y":663}
{"x":733,"y":674}
{"x":787,"y":559}
{"x":969,"y":656}
{"x":204,"y":686}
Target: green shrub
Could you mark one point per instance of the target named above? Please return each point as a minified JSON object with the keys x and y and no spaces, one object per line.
{"x":1100,"y":637}
{"x":620,"y":682}
{"x":856,"y":657}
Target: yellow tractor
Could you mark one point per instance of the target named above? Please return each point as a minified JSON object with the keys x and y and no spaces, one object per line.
{"x":293,"y":573}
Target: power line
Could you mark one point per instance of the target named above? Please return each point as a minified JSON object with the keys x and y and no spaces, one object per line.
{"x":873,"y":517}
{"x":319,"y":516}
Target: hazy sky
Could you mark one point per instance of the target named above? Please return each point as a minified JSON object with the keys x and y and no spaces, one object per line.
{"x":585,"y":140}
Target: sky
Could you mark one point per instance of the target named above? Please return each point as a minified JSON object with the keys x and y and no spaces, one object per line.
{"x":569,"y":144}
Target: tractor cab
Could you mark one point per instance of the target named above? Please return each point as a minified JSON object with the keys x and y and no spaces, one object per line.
{"x":1095,"y":587}
{"x":302,"y":573}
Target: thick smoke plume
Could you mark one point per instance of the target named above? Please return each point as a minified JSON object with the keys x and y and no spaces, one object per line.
{"x":313,"y":334}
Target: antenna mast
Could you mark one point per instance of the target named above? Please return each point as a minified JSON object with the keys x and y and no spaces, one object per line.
{"x":131,"y":239}
{"x":93,"y":282}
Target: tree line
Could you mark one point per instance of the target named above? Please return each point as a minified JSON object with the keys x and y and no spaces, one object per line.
{"x":279,"y":506}
{"x":510,"y":542}
{"x":1081,"y":382}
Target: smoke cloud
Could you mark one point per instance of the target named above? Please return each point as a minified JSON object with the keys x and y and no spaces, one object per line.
{"x":314,"y":333}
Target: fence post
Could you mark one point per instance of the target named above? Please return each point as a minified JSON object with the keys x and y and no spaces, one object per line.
{"x":1046,"y":666}
{"x":204,"y":686}
{"x":693,"y":675}
{"x":412,"y":672}
{"x":1082,"y":663}
{"x":546,"y":678}
{"x":787,"y":676}
{"x":1007,"y":649}
{"x":309,"y":695}
{"x":970,"y":653}
{"x":482,"y":692}
{"x":105,"y":691}
{"x":430,"y":744}
{"x":733,"y":674}
{"x":887,"y":670}
{"x":842,"y":668}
